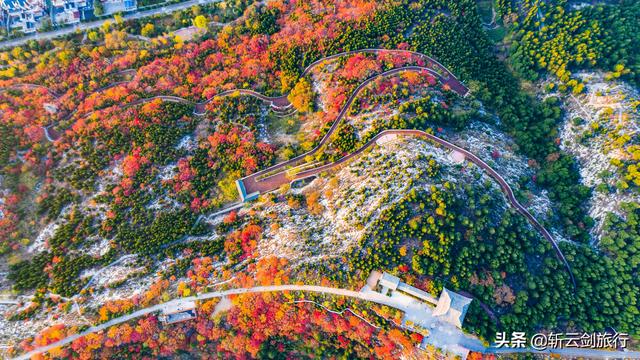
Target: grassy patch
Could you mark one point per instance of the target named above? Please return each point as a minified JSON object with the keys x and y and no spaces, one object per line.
{"x":228,"y":188}
{"x":497,"y":35}
{"x":288,"y":125}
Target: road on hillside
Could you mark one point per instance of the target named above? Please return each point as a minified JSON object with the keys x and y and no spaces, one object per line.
{"x":260,"y":182}
{"x":275,"y":176}
{"x":371,"y":296}
{"x":367,"y":296}
{"x":445,"y":78}
{"x":278,"y":103}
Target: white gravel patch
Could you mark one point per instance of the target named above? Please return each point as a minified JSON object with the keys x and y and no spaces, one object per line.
{"x":595,"y":154}
{"x":362,"y":190}
{"x":187,"y":143}
{"x":39,"y":244}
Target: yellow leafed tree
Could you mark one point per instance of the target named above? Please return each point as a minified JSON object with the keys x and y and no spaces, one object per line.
{"x":200,"y":21}
{"x":301,"y":97}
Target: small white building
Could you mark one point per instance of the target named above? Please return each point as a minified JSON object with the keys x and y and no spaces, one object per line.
{"x":182,"y":311}
{"x":452,"y":307}
{"x":388,"y":282}
{"x":68,"y":11}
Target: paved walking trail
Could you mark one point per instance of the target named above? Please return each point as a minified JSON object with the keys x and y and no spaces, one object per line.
{"x":280,"y":104}
{"x":368,"y":296}
{"x":506,"y":189}
{"x":263,"y":181}
{"x":277,"y":175}
{"x":451,"y":337}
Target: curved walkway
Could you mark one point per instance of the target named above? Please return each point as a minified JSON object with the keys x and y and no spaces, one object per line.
{"x":279,"y":103}
{"x":436,"y":69}
{"x":275,"y":176}
{"x":30,"y":86}
{"x":446,"y":76}
{"x":258,"y":183}
{"x":450,"y":332}
{"x":282,"y":103}
{"x":49,"y":134}
{"x":368,"y":296}
{"x":339,"y":313}
{"x":506,"y":189}
{"x":261,"y":181}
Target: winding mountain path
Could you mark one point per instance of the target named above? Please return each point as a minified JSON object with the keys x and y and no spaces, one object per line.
{"x":29,"y":86}
{"x":271,"y":178}
{"x":445,"y":76}
{"x":278,"y":103}
{"x":275,"y":176}
{"x":506,"y":189}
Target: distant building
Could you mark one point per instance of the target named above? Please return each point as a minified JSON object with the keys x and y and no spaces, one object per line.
{"x":19,"y":15}
{"x":182,"y":312}
{"x":25,"y":15}
{"x":452,"y":307}
{"x":64,"y":12}
{"x":114,"y":6}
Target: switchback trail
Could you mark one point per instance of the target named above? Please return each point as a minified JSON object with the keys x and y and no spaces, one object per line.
{"x":273,"y":177}
{"x":262,"y":181}
{"x":259,"y":183}
{"x":431,"y":66}
{"x":278,"y":103}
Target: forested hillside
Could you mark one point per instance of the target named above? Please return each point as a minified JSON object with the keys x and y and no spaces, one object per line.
{"x":120,"y":151}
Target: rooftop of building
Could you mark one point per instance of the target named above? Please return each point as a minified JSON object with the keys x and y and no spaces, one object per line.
{"x":452,"y":307}
{"x":13,"y":5}
{"x":179,"y":307}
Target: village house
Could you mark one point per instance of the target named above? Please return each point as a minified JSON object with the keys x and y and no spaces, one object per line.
{"x":25,"y":15}
{"x":64,"y":12}
{"x":19,"y":15}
